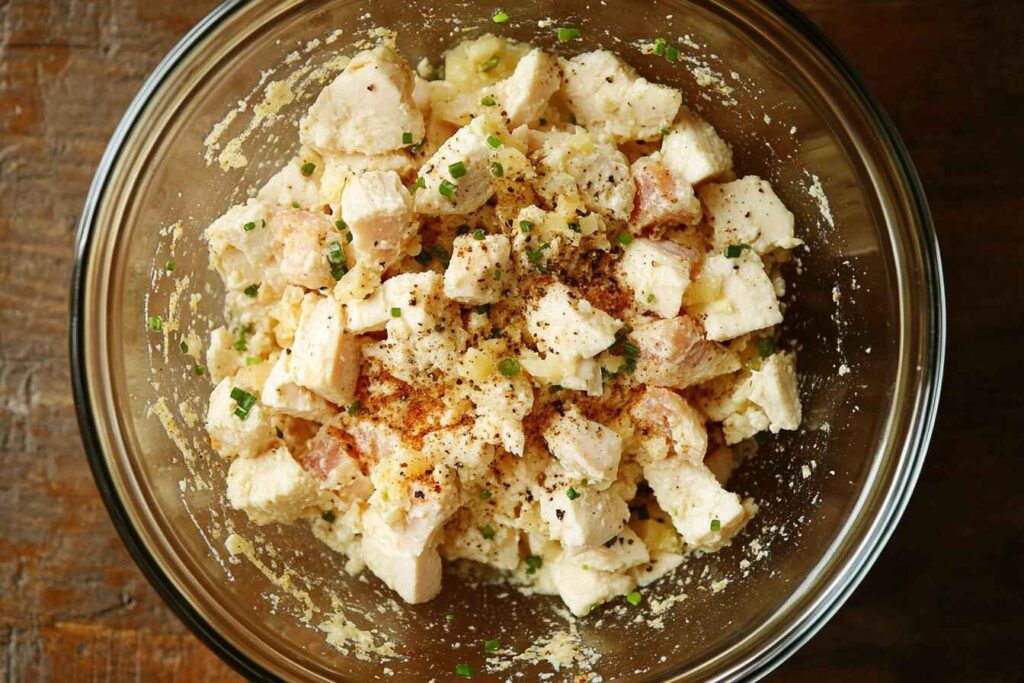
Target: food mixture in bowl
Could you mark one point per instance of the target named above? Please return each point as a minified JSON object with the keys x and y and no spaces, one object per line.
{"x":517,"y":309}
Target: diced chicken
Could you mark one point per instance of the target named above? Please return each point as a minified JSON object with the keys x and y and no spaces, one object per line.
{"x":585,"y":520}
{"x":568,"y":372}
{"x":658,"y":273}
{"x":304,"y":237}
{"x":478,"y":270}
{"x":409,"y":293}
{"x":674,"y":353}
{"x":589,"y":164}
{"x":524,"y":95}
{"x":242,"y":249}
{"x":622,"y":552}
{"x":565,"y":323}
{"x":272,"y":488}
{"x":416,"y":578}
{"x":459,"y":449}
{"x":468,"y":153}
{"x":339,"y":169}
{"x":471,"y":69}
{"x":378,"y":211}
{"x":467,"y":537}
{"x":285,"y":314}
{"x":586,"y":449}
{"x":607,"y":95}
{"x":222,"y":360}
{"x":342,"y":535}
{"x":773,"y":388}
{"x":693,"y":151}
{"x":662,"y":198}
{"x":668,"y":425}
{"x":706,"y":515}
{"x":415,"y":496}
{"x":281,"y":393}
{"x":367,"y":109}
{"x":331,"y":458}
{"x":325,"y":357}
{"x":660,"y":564}
{"x":583,"y":589}
{"x":736,"y":297}
{"x":298,"y":183}
{"x":747,"y":211}
{"x":501,"y":402}
{"x":232,"y":434}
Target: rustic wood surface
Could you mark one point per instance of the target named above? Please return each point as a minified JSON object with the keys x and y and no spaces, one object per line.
{"x":942,"y":603}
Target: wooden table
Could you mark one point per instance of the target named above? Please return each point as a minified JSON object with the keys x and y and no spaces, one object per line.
{"x":944,"y":600}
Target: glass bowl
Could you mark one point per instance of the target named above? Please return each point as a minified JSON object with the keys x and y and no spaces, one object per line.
{"x":865,"y":309}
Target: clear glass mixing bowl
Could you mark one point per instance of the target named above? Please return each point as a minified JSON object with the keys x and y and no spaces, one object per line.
{"x":867,"y":297}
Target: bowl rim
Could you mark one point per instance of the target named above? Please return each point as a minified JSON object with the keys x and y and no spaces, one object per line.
{"x":775,"y":651}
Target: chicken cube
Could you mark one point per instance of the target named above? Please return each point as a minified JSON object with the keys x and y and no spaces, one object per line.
{"x":367,"y":109}
{"x":501,"y":404}
{"x":242,"y":250}
{"x":231,"y":432}
{"x":524,"y":95}
{"x":457,"y":178}
{"x":622,"y":552}
{"x":222,"y":359}
{"x":272,"y":488}
{"x":459,"y":449}
{"x":674,"y":353}
{"x":477,"y":270}
{"x":340,"y":169}
{"x":416,"y":578}
{"x":660,"y":564}
{"x":588,"y":164}
{"x":658,"y":273}
{"x":581,"y":516}
{"x":281,"y":393}
{"x":378,"y":211}
{"x":331,"y":457}
{"x":705,"y":515}
{"x":669,"y":426}
{"x":325,"y":357}
{"x":693,"y":151}
{"x":416,"y":497}
{"x":607,"y":95}
{"x":292,"y":185}
{"x":747,"y":211}
{"x":491,"y":543}
{"x":662,"y":198}
{"x":773,"y":388}
{"x":743,"y":298}
{"x":586,"y":449}
{"x":305,"y":238}
{"x":568,"y":372}
{"x":563,"y":322}
{"x":583,"y":589}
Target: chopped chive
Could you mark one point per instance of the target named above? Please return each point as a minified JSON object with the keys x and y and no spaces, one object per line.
{"x":487,"y":532}
{"x":567,"y":34}
{"x":171,"y":265}
{"x":340,"y":224}
{"x":508,"y":367}
{"x":497,"y":274}
{"x":199,"y":370}
{"x":634,"y":598}
{"x":354,"y":408}
{"x":479,"y":234}
{"x":650,"y":298}
{"x":336,"y":260}
{"x":419,"y":184}
{"x":407,"y":138}
{"x":735,"y":250}
{"x":659,"y":46}
{"x":457,"y":170}
{"x":526,"y":227}
{"x":624,"y":238}
{"x":295,"y":205}
{"x":716,"y":525}
{"x":485,"y":494}
{"x":249,"y":227}
{"x":630,"y":350}
{"x":665,"y":132}
{"x":464,"y":671}
{"x":307,"y":168}
{"x":447,"y":189}
{"x":493,"y":141}
{"x":396,"y":312}
{"x":244,"y":402}
{"x":184,"y":347}
{"x":499,"y":17}
{"x":671,"y":53}
{"x":572,"y":494}
{"x":155,"y":323}
{"x":765,"y":347}
{"x":348,"y":237}
{"x":575,"y":227}
{"x":252,"y":290}
{"x":536,"y":258}
{"x":424,"y":257}
{"x":533,"y":563}
{"x":492,"y":645}
{"x":497,"y":170}
{"x":327,"y":516}
{"x":441,"y":254}
{"x":487,"y":101}
{"x":489,"y":64}
{"x":449,"y":618}
{"x":253,"y":360}
{"x":483,"y":309}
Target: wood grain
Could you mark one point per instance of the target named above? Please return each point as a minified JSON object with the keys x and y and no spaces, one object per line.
{"x":943,"y":602}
